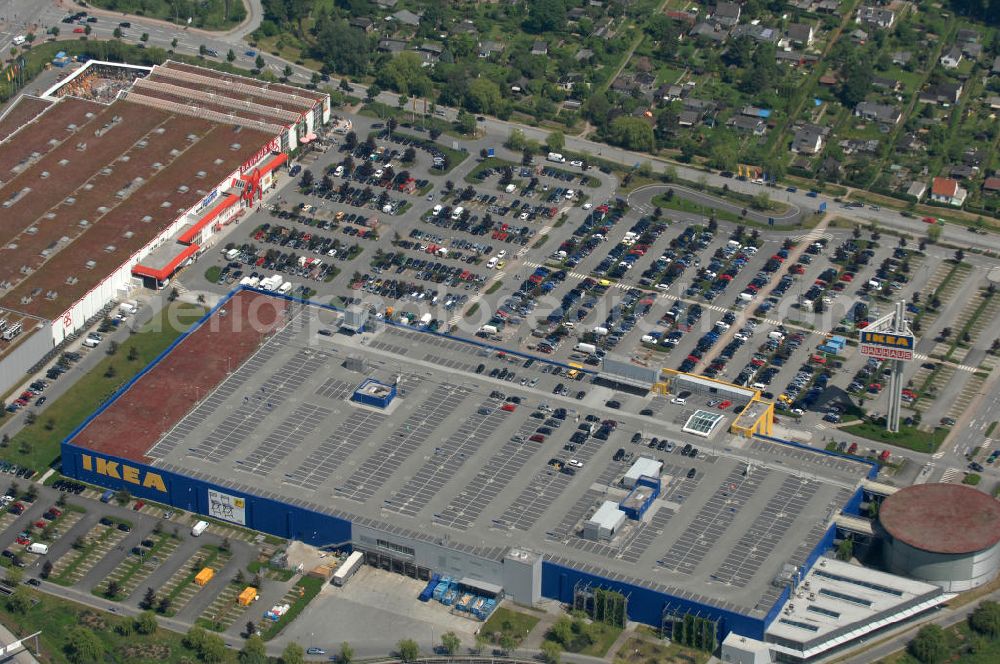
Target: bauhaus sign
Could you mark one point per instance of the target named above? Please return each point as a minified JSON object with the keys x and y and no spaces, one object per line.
{"x":886,"y":345}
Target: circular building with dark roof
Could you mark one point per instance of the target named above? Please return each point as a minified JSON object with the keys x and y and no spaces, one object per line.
{"x":947,"y":534}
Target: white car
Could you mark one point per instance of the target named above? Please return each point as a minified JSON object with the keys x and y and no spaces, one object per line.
{"x":678,"y":400}
{"x":575,"y":463}
{"x":587,"y":206}
{"x":662,"y":287}
{"x":577,"y":163}
{"x":501,"y":253}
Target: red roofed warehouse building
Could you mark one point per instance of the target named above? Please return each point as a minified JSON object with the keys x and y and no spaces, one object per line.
{"x":117,"y":177}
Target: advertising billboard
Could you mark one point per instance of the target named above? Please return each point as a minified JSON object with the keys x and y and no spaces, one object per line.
{"x":226,"y":508}
{"x":886,"y":345}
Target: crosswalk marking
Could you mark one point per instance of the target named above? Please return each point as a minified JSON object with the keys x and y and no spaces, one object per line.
{"x":951,"y":474}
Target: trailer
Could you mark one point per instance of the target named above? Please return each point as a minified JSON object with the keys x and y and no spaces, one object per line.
{"x":428,"y":591}
{"x":348,"y":568}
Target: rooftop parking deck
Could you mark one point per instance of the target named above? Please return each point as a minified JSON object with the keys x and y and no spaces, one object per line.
{"x":454,"y":455}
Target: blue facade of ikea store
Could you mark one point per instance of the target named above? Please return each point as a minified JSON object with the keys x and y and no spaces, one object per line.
{"x":316,"y":528}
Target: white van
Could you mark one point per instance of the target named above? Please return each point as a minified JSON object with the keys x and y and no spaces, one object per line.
{"x":38,"y":547}
{"x":556,"y":157}
{"x":492,"y":263}
{"x":510,"y":188}
{"x":456,"y":214}
{"x":436,"y":211}
{"x":199,"y":528}
{"x":337,"y":172}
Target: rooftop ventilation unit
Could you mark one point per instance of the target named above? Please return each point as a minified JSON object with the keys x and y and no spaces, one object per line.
{"x":90,"y":265}
{"x":84,"y":223}
{"x":70,"y":280}
{"x":109,"y":249}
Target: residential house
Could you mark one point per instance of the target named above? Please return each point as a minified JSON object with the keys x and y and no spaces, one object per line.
{"x":362,"y":23}
{"x":386,"y":4}
{"x":974,"y":156}
{"x":858,"y":36}
{"x":726,"y":14}
{"x":993,"y":103}
{"x":689,"y":118}
{"x":952,"y":58}
{"x":902,"y":58}
{"x":710,"y":32}
{"x":794,"y":58}
{"x":406,"y":17}
{"x":917,"y":190}
{"x":576,"y":13}
{"x":962,"y":172}
{"x":877,"y":16}
{"x":942,"y":93}
{"x":645,"y":80}
{"x":881,"y":113}
{"x":967,"y":36}
{"x":947,"y":191}
{"x":887,"y":84}
{"x":992,"y":184}
{"x":996,"y":66}
{"x":465,"y":27}
{"x":809,"y":139}
{"x":748,"y":125}
{"x":800,"y":34}
{"x":391,"y":45}
{"x":430,"y":52}
{"x":972,"y":50}
{"x":858,"y":146}
{"x":583,"y":55}
{"x":569,"y":81}
{"x":757,"y":32}
{"x":489,"y":48}
{"x":539,"y":47}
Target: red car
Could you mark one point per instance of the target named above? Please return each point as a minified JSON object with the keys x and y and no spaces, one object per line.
{"x":78,"y":31}
{"x":21,"y":539}
{"x":537,"y":438}
{"x":139,"y":504}
{"x":725,"y":404}
{"x":40,"y":523}
{"x":929,"y":220}
{"x":853,"y":448}
{"x":55,"y":511}
{"x":509,"y":407}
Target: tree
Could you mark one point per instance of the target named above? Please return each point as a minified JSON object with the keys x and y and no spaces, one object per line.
{"x":408,"y":650}
{"x":845,"y":550}
{"x":202,"y":50}
{"x":631,"y":134}
{"x":856,"y":81}
{"x":293,"y":654}
{"x":258,"y":63}
{"x":450,"y":642}
{"x":231,"y":55}
{"x":288,"y":71}
{"x":550,"y":652}
{"x":122,"y":497}
{"x":561,"y":631}
{"x":307,"y":179}
{"x":112,"y":347}
{"x":555,"y":141}
{"x":507,"y":644}
{"x":83,"y":646}
{"x":164,"y":605}
{"x":409,"y":155}
{"x":515,"y":140}
{"x":145,"y":623}
{"x":30,"y":417}
{"x":195,"y":637}
{"x":933,"y":233}
{"x":54,"y":31}
{"x":930,"y":645}
{"x":346,"y":653}
{"x":148,"y":600}
{"x":213,"y":649}
{"x":117,"y":34}
{"x":253,"y":651}
{"x":144,"y":37}
{"x":19,"y":601}
{"x":112,"y":589}
{"x":133,"y":355}
{"x":13,"y":577}
{"x":959,"y":255}
{"x":483,"y":96}
{"x":46,"y":569}
{"x":250,"y":629}
{"x":985,"y":619}
{"x":466,"y":122}
{"x":173,"y":42}
{"x":545,"y":16}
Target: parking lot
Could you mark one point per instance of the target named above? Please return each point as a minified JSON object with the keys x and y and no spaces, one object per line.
{"x":124,"y":552}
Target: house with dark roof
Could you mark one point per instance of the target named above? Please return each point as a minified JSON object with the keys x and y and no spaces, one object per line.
{"x":710,"y":31}
{"x":726,"y":14}
{"x":991,"y":184}
{"x":362,"y":23}
{"x":539,"y":47}
{"x":748,"y":125}
{"x":942,"y":93}
{"x":952,"y":58}
{"x":800,"y":33}
{"x":758,"y":32}
{"x":995,"y":69}
{"x":809,"y":139}
{"x":406,"y":17}
{"x":877,"y":16}
{"x":391,"y":45}
{"x":887,"y":84}
{"x":881,"y":113}
{"x":490,"y":48}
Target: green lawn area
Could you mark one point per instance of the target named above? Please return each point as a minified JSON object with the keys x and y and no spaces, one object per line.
{"x":495,"y":287}
{"x":641,"y":651}
{"x":592,"y":638}
{"x":683,"y":205}
{"x":55,"y":618}
{"x":37,"y":446}
{"x":212,"y":273}
{"x":207,"y":15}
{"x":310,"y":588}
{"x":515,"y":624}
{"x":909,"y":437}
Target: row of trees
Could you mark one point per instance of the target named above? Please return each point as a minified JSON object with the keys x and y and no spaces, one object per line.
{"x":933,"y":644}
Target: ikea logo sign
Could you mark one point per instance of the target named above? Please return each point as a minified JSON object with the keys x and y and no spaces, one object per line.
{"x":884,"y":339}
{"x":120,"y":471}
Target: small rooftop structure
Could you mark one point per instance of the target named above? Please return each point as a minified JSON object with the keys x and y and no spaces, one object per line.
{"x":605,"y":522}
{"x":643,"y":467}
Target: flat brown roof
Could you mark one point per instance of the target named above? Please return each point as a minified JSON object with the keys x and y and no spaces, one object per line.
{"x":271,"y":117}
{"x":942,"y":518}
{"x":38,"y":136}
{"x":263,"y":85}
{"x":44,"y":223}
{"x":21,"y":112}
